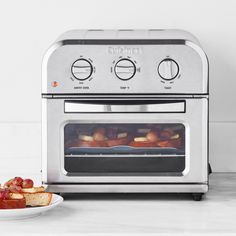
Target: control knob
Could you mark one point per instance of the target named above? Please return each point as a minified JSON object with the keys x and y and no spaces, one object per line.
{"x":125,"y":69}
{"x":82,"y":69}
{"x":168,"y":69}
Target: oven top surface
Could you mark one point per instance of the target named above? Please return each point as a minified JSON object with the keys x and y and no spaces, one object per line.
{"x":125,"y":62}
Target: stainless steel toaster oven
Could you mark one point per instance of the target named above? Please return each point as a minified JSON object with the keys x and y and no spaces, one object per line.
{"x":125,"y":111}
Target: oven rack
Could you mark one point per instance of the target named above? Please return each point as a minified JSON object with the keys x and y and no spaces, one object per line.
{"x":123,"y":150}
{"x":124,"y":155}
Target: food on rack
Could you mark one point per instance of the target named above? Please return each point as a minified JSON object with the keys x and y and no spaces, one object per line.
{"x":99,"y":137}
{"x":142,"y":142}
{"x":99,"y":134}
{"x":161,"y":135}
{"x":173,"y":142}
{"x":117,"y":142}
{"x":122,"y":135}
{"x":89,"y":140}
{"x":19,"y":193}
{"x":169,"y":139}
{"x":86,"y":138}
{"x":140,"y":139}
{"x":148,"y":139}
{"x":176,"y":136}
{"x":152,"y":136}
{"x":169,"y":143}
{"x":118,"y":139}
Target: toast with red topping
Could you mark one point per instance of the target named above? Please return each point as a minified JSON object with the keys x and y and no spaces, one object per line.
{"x":19,"y":193}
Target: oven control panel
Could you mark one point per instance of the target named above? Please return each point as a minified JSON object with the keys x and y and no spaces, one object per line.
{"x":112,"y":68}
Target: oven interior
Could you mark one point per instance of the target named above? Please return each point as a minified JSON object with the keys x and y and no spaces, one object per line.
{"x":124,"y":148}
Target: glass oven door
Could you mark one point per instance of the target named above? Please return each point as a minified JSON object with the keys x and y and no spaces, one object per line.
{"x":124,"y":148}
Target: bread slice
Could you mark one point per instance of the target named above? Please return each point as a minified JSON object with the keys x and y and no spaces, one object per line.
{"x":38,"y":199}
{"x":33,"y":190}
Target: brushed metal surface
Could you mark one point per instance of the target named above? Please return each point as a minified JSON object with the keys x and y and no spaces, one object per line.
{"x":146,"y":54}
{"x":195,"y":120}
{"x":128,"y":188}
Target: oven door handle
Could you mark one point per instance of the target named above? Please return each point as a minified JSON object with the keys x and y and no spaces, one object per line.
{"x":160,"y":106}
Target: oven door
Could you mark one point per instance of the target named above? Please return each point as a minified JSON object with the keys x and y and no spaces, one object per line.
{"x":125,"y":141}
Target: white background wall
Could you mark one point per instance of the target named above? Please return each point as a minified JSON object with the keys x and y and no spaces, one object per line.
{"x":28,"y":27}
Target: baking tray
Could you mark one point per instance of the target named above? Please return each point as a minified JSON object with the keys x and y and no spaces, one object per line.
{"x":122,"y":150}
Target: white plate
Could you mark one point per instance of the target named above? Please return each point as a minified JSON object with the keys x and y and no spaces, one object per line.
{"x":14,"y":214}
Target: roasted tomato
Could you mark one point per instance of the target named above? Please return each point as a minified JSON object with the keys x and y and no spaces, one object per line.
{"x":17,"y":181}
{"x":27,"y":183}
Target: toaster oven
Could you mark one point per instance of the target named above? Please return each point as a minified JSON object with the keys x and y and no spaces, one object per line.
{"x":125,"y":111}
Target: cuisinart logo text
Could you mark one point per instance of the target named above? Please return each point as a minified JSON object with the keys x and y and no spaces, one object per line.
{"x":124,"y":50}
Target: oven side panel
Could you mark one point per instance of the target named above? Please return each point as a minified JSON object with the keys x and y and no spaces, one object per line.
{"x":44,"y":141}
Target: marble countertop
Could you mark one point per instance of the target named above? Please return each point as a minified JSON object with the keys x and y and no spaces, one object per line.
{"x":139,"y":214}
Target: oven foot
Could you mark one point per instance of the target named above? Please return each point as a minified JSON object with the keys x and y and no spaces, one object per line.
{"x":197,"y":196}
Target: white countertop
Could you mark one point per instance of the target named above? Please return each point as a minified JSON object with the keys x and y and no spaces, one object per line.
{"x":142,"y":214}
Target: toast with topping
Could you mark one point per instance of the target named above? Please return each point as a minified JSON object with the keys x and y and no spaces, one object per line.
{"x":19,"y":193}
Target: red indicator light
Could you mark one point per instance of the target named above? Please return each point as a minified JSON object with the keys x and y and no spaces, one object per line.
{"x":54,"y":84}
